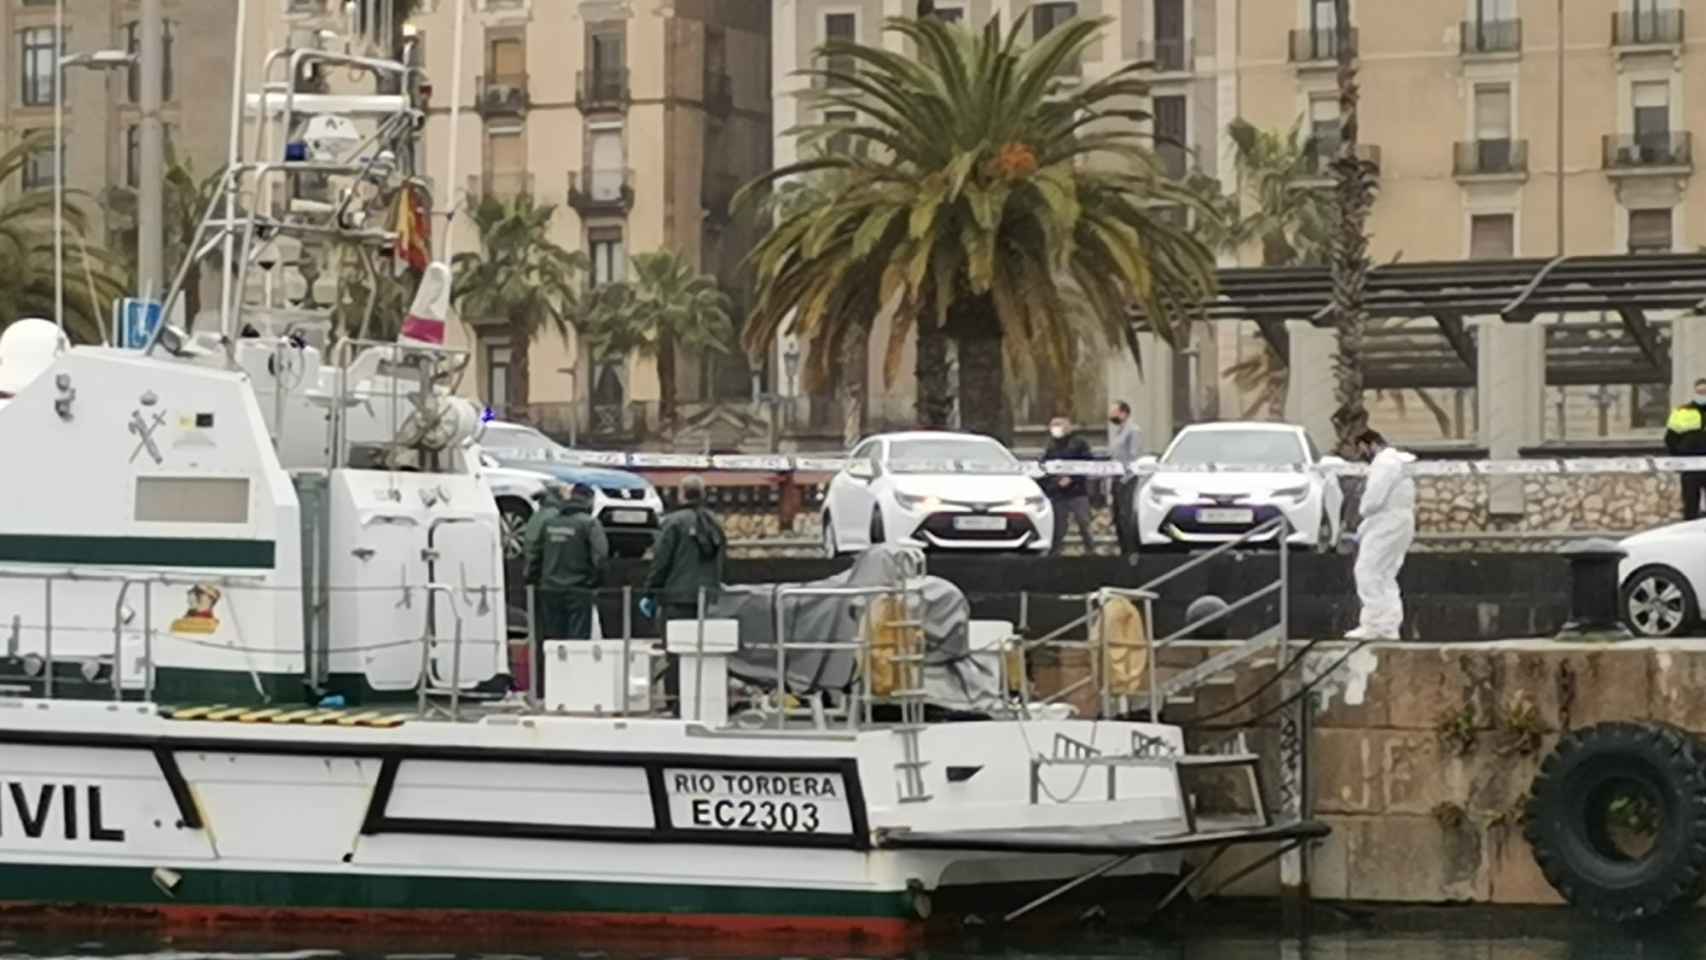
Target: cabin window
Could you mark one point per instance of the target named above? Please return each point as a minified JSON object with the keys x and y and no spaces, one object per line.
{"x":192,"y":500}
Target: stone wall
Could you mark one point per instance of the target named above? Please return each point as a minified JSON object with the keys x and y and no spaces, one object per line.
{"x":1423,"y":756}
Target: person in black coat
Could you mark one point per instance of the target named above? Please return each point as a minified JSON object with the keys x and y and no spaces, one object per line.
{"x":1070,"y":495}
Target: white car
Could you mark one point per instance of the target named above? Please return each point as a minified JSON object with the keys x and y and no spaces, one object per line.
{"x":939,"y":491}
{"x":1219,"y":481}
{"x":518,"y":461}
{"x":1660,"y":578}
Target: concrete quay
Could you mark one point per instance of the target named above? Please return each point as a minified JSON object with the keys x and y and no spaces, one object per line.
{"x":1422,"y":754}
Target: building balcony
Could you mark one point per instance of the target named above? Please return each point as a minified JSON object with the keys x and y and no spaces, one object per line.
{"x":1632,"y":29}
{"x":1628,"y":154}
{"x":501,"y":94}
{"x":595,"y":192}
{"x":1318,"y":156}
{"x":1171,"y":55}
{"x":602,"y":90}
{"x":719,"y":93}
{"x":503,"y":187}
{"x":1484,"y":38}
{"x":1490,"y":159}
{"x":1318,"y":47}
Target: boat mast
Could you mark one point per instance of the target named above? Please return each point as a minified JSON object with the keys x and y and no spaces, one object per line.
{"x":227,"y":308}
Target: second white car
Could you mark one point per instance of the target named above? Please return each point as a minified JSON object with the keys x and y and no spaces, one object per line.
{"x":936,"y":490}
{"x":1220,"y":481}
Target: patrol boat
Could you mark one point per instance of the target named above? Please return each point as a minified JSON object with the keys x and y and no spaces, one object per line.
{"x":221,"y":536}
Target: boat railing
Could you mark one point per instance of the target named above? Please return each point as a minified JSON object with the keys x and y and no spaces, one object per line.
{"x":40,"y":669}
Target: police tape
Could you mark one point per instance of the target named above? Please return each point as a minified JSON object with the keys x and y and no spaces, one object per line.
{"x":1108,"y":469}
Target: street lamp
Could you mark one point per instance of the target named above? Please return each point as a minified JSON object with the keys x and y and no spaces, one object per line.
{"x":95,"y":60}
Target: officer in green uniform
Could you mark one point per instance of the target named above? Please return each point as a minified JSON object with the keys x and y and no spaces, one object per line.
{"x":1685,"y":436}
{"x":688,"y":555}
{"x":567,"y":553}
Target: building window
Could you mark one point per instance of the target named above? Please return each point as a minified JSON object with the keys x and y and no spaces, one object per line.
{"x":606,"y":173}
{"x":840,"y":28}
{"x":1046,"y":16}
{"x":498,"y":360}
{"x":1323,"y":17}
{"x":133,"y":45}
{"x":39,"y":58}
{"x":1170,"y":47}
{"x":951,"y":14}
{"x":1492,"y":236}
{"x":38,"y":169}
{"x":1493,"y":127}
{"x":840,"y":143}
{"x":1651,"y":102}
{"x":1171,"y":137}
{"x":609,"y":257}
{"x":1323,"y":131}
{"x":1650,"y":231}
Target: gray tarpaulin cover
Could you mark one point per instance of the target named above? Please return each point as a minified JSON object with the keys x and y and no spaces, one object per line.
{"x":954,"y":679}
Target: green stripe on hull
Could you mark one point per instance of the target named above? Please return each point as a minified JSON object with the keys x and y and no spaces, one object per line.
{"x":192,"y":552}
{"x":97,"y":887}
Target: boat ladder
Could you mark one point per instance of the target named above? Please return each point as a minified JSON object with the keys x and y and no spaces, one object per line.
{"x":910,"y":696}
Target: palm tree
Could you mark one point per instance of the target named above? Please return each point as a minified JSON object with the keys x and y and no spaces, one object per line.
{"x":1271,"y":208}
{"x":979,"y":189}
{"x":663,"y":305}
{"x":187,"y":197}
{"x":1356,"y":185}
{"x":93,"y":277}
{"x":519,"y":276}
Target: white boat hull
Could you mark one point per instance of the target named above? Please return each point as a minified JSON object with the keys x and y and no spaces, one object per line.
{"x":547,"y":821}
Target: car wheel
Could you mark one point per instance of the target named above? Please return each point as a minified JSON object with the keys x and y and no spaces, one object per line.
{"x":831,"y":548}
{"x":877,"y":526}
{"x":1658,"y":602}
{"x":514,"y":514}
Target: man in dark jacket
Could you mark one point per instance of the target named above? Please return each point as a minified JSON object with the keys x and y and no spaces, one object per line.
{"x":1685,"y":436}
{"x":688,"y":556}
{"x":567,"y":554}
{"x":1069,"y":495}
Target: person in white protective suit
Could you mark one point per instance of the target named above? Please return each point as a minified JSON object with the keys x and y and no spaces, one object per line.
{"x":1388,"y":526}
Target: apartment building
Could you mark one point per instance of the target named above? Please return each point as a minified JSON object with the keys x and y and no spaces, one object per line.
{"x":102,"y":113}
{"x":1501,"y":131}
{"x":637,"y":122}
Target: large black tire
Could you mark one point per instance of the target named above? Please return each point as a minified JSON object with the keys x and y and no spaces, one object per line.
{"x":1567,"y":826}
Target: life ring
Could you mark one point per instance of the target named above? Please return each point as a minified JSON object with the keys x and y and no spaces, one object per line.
{"x":1617,"y":820}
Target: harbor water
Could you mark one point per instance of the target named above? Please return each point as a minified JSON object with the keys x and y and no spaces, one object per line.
{"x":1430,"y":935}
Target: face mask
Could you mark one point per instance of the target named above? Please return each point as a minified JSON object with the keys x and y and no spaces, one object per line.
{"x":1057,"y":432}
{"x":1116,"y":421}
{"x":1700,"y":398}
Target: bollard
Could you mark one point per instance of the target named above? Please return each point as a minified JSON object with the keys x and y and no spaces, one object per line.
{"x":1594,"y":589}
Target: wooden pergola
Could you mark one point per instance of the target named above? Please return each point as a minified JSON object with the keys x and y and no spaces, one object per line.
{"x":1419,"y":337}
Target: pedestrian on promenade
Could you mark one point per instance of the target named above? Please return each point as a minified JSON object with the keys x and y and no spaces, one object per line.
{"x":1685,"y":436}
{"x":1388,"y":526}
{"x":1125,"y":444}
{"x":1070,"y":495}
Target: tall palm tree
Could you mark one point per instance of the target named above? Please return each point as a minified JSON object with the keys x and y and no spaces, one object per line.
{"x":93,"y":277}
{"x":1356,"y":185}
{"x":519,"y":276}
{"x":664,"y":304}
{"x":1270,"y":208}
{"x":979,"y":189}
{"x":851,"y":357}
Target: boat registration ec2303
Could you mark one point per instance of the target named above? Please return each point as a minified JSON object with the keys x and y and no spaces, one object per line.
{"x":758,"y":802}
